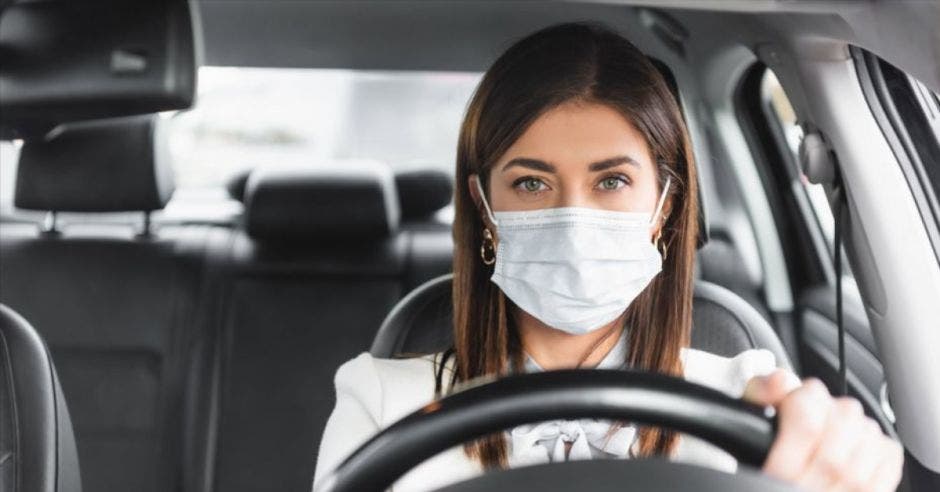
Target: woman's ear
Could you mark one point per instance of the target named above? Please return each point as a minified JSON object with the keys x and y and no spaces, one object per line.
{"x":475,"y":185}
{"x":663,"y":218}
{"x":666,"y":212}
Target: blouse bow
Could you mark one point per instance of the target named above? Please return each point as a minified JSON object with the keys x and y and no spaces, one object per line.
{"x":589,"y":438}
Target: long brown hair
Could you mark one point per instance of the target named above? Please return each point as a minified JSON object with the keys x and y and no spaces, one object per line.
{"x":571,"y":62}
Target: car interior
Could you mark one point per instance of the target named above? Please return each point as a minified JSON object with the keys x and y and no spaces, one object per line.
{"x":207,"y":206}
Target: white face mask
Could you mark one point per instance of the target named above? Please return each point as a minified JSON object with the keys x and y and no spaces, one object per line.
{"x":573,"y":268}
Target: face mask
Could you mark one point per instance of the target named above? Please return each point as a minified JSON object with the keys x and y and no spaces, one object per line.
{"x":573,"y":268}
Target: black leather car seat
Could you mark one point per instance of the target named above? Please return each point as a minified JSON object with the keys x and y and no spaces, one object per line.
{"x":316,"y":268}
{"x":37,"y":447}
{"x":116,"y":306}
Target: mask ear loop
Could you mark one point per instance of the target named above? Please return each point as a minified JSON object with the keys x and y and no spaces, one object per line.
{"x":659,"y":205}
{"x":486,"y":205}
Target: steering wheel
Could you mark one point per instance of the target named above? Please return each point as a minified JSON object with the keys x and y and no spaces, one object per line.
{"x":746,"y":431}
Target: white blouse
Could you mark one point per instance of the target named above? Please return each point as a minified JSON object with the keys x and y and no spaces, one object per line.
{"x":543,"y":442}
{"x":372,"y":393}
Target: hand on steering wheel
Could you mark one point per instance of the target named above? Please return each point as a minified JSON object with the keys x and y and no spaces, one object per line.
{"x":825,"y":443}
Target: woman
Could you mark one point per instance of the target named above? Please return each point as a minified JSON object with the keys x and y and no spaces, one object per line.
{"x":575,"y":230}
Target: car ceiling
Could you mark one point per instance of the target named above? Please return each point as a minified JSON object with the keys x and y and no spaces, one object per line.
{"x":468,"y":35}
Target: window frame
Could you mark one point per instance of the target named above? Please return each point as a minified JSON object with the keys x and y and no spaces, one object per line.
{"x":909,"y":149}
{"x":808,"y":257}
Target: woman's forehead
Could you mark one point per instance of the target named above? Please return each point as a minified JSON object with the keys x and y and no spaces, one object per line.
{"x":575,"y":134}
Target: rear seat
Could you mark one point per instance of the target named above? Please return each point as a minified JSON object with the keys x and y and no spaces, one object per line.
{"x":422,"y":195}
{"x":117,"y":307}
{"x":197,"y":357}
{"x":312,"y":275}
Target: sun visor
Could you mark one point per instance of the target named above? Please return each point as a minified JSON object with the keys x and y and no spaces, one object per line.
{"x":65,"y":61}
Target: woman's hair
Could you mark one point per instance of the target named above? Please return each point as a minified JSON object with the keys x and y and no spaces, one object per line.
{"x":574,"y":62}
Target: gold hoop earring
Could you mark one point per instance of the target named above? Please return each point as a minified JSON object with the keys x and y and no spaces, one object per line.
{"x":488,"y":238}
{"x":661,"y":246}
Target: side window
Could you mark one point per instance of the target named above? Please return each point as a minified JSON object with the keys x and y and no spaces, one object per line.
{"x":818,"y":214}
{"x":781,"y":114}
{"x":9,"y":155}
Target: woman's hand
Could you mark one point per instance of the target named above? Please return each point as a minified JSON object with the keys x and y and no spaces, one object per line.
{"x":824,"y":443}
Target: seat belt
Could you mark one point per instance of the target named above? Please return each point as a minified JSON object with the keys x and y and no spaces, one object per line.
{"x":838,"y":211}
{"x":820,"y":165}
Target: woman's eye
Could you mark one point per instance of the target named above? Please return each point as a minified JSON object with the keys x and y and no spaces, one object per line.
{"x":613,"y":182}
{"x":531,"y":185}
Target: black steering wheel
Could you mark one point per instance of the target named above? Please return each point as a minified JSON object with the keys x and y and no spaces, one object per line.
{"x":742,"y":429}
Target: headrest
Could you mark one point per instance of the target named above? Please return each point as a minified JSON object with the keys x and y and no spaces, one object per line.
{"x":355,"y":199}
{"x":114,"y":165}
{"x":423,"y":192}
{"x":420,"y":193}
{"x":77,"y":61}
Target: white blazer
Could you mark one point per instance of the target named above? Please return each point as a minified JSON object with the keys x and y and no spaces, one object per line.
{"x":372,"y":393}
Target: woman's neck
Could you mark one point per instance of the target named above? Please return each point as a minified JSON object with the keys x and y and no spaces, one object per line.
{"x":554,"y":349}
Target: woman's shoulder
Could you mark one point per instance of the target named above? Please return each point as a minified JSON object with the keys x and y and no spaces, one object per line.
{"x":388,"y":388}
{"x":727,"y":374}
{"x":365,"y":365}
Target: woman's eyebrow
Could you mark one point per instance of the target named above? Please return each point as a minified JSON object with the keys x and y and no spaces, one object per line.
{"x":612,"y":162}
{"x":540,"y":165}
{"x":530,"y":163}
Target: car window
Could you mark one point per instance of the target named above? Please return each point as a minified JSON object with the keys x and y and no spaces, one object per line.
{"x":264,"y":117}
{"x":779,"y":111}
{"x":9,"y":154}
{"x":782,"y":114}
